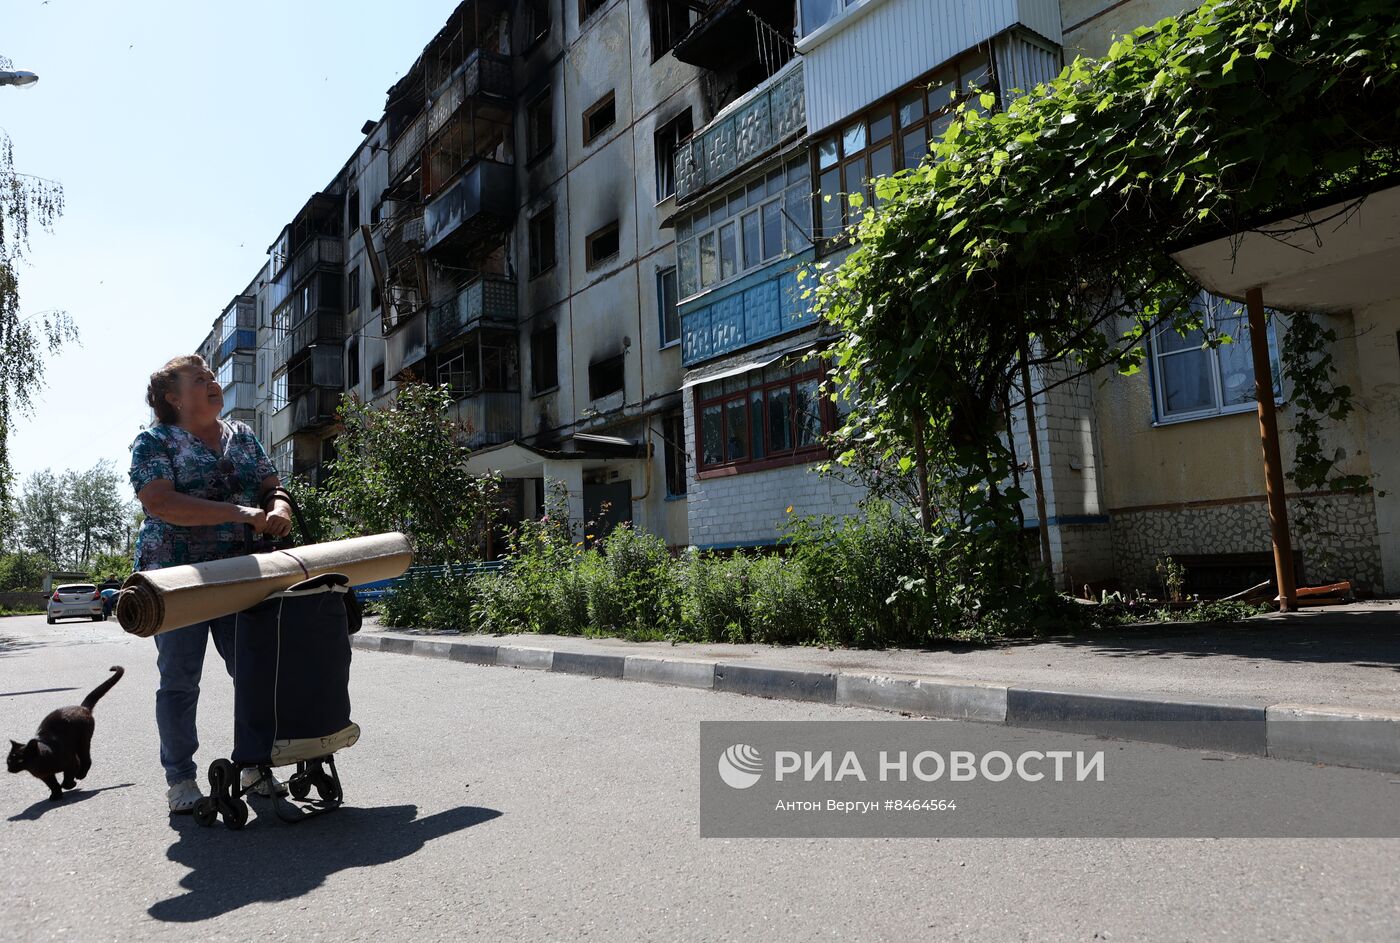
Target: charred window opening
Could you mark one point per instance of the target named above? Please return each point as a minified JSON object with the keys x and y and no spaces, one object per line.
{"x":376,"y":377}
{"x":539,"y":125}
{"x":542,"y":256}
{"x":670,"y":19}
{"x":599,"y":117}
{"x":606,"y":377}
{"x":536,"y":21}
{"x":352,"y":209}
{"x":603,"y":244}
{"x":587,"y":8}
{"x":544,"y":359}
{"x":668,"y":141}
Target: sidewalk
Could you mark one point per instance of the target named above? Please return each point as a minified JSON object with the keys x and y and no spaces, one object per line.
{"x":1330,"y":664}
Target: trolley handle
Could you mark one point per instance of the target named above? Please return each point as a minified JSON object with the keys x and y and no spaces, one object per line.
{"x":261,"y":543}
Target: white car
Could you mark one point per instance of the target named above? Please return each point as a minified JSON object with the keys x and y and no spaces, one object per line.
{"x":76,"y":601}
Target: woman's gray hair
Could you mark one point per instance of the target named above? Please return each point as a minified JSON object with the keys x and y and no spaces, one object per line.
{"x":167,"y":380}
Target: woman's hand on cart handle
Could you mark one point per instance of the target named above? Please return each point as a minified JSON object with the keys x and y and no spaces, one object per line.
{"x":279,"y":521}
{"x":255,"y":518}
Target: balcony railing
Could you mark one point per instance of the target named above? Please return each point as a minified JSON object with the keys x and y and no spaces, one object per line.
{"x":756,"y":125}
{"x":321,"y":327}
{"x":406,"y":150}
{"x":483,"y":75}
{"x":482,"y":199}
{"x":488,"y":299}
{"x":322,"y":250}
{"x":314,"y":409}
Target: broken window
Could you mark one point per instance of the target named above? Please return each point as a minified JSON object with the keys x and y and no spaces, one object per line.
{"x":539,"y":125}
{"x":541,"y":248}
{"x":670,"y":19}
{"x":599,"y":117}
{"x":544,"y":359}
{"x":666,"y":303}
{"x":606,"y":377}
{"x":668,"y":141}
{"x":603,"y":244}
{"x":587,"y":8}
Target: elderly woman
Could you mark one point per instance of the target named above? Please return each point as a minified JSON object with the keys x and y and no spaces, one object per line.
{"x":203,"y":481}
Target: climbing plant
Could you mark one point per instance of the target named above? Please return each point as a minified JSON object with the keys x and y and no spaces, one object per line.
{"x":1043,"y":232}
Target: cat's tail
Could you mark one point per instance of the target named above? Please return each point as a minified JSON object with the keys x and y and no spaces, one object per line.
{"x":91,"y":700}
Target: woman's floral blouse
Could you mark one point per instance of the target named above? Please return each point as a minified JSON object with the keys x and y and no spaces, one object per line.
{"x":179,"y":456}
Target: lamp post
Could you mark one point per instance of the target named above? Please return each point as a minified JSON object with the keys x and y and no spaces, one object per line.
{"x":18,"y":79}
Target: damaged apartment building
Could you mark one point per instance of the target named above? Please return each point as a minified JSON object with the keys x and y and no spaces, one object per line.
{"x":588,"y":218}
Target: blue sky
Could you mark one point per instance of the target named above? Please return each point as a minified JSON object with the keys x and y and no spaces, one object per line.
{"x":185,"y":136}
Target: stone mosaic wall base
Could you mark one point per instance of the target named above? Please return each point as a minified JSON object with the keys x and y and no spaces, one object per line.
{"x":1348,"y":549}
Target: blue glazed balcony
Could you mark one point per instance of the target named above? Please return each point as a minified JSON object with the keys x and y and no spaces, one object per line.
{"x":761,"y":306}
{"x":240,"y":339}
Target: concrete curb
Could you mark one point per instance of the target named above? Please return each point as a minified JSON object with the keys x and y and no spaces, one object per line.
{"x":1337,"y":736}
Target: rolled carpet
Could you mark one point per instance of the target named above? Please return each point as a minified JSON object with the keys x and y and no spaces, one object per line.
{"x":156,"y":601}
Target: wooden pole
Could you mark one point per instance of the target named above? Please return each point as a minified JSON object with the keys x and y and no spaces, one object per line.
{"x":1273,"y":461}
{"x":1033,"y":436}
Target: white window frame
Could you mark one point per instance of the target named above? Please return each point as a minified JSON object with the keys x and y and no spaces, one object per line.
{"x":278,"y":395}
{"x":1211,"y":304}
{"x":688,"y":244}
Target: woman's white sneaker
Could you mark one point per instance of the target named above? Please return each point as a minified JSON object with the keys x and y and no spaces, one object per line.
{"x":270,"y":785}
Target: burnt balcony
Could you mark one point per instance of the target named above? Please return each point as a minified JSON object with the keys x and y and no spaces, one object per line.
{"x":485,"y":301}
{"x":320,"y":327}
{"x":480,"y":201}
{"x":743,"y":38}
{"x":314,"y":409}
{"x":406,"y":152}
{"x":484,"y":78}
{"x":751,"y":128}
{"x":317,"y":252}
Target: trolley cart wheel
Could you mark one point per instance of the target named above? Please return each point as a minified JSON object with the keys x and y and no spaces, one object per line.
{"x":222,"y":777}
{"x":329,"y":790}
{"x":299,"y":785}
{"x":205,"y":812}
{"x":235,"y":812}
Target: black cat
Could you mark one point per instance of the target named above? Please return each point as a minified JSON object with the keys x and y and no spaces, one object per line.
{"x":62,"y":744}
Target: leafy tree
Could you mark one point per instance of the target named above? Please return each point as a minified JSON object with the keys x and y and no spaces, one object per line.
{"x":96,"y":513}
{"x":404,"y":468}
{"x":41,"y":519}
{"x":25,"y":201}
{"x":110,"y":563}
{"x":23,"y":572}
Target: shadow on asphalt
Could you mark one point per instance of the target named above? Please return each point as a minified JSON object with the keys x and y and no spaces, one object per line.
{"x":35,"y":691}
{"x":271,"y":861}
{"x":1363,"y":639}
{"x":45,"y":804}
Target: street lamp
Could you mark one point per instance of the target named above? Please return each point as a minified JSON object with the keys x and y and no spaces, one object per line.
{"x":20,"y":79}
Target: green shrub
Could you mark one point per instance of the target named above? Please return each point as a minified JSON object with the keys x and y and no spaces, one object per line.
{"x":447,"y":603}
{"x":786,"y":605}
{"x":716,"y":604}
{"x":633,"y":587}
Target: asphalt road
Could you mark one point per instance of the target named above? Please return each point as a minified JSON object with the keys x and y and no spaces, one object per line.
{"x":501,"y":804}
